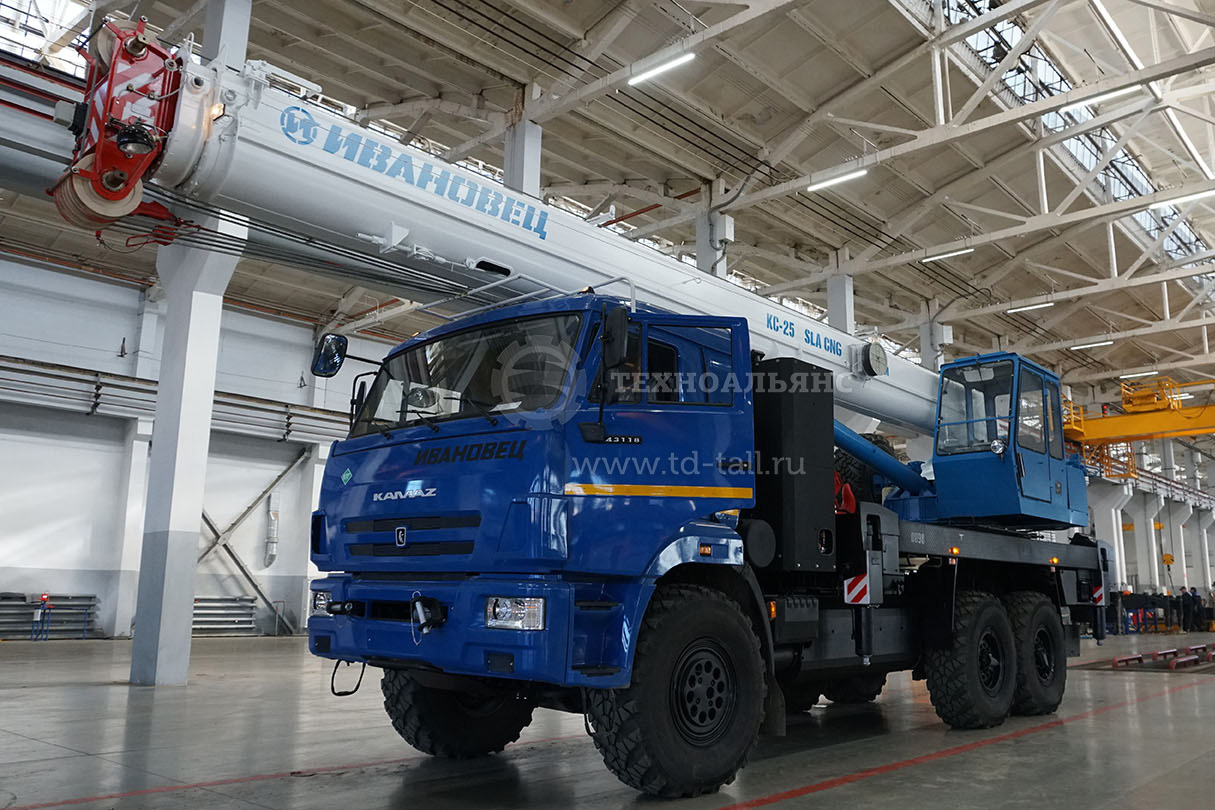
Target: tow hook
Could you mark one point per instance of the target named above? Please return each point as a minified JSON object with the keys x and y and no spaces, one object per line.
{"x":428,"y":613}
{"x":333,"y":680}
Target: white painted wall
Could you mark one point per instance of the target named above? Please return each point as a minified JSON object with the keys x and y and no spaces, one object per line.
{"x":63,"y":475}
{"x":59,"y":476}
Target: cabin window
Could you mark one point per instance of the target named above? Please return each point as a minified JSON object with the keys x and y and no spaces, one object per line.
{"x":1031,"y":413}
{"x":974,"y":406}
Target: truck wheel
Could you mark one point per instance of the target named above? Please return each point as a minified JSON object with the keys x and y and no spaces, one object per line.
{"x":859,"y":689}
{"x":451,"y":724}
{"x":1041,"y":653}
{"x":972,"y":685}
{"x":688,"y":720}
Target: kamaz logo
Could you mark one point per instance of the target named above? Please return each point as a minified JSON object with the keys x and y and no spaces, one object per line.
{"x":404,"y":494}
{"x":301,"y":128}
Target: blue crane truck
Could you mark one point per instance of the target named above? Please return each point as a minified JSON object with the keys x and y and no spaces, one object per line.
{"x":617,"y":511}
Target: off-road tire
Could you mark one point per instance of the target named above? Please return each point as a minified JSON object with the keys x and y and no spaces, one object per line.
{"x":655,"y":734}
{"x":451,"y":724}
{"x":960,"y":680}
{"x":857,"y":474}
{"x":1041,"y":653}
{"x":858,"y":689}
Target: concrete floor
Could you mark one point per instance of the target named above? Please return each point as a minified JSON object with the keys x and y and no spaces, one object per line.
{"x":258,"y":728}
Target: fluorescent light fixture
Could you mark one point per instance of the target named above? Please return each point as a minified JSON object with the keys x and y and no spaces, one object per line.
{"x":663,"y":68}
{"x":1138,"y":374}
{"x":1092,"y":345}
{"x":1028,"y":307}
{"x":1184,"y":396}
{"x":950,"y":255}
{"x":835,"y":181}
{"x":1126,"y":91}
{"x":1179,"y":200}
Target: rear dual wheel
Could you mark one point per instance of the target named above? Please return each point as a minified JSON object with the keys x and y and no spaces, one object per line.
{"x":1007,"y":657}
{"x":972,"y":684}
{"x":1041,"y":653}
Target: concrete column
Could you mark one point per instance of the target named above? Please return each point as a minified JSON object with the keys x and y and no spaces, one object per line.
{"x":934,"y":337}
{"x":226,"y":31}
{"x":116,"y":618}
{"x":521,"y":152}
{"x":1205,"y":579}
{"x":1144,"y":510}
{"x":1176,"y":513}
{"x":1107,"y":500}
{"x":841,"y":309}
{"x":714,"y":230}
{"x":194,"y":282}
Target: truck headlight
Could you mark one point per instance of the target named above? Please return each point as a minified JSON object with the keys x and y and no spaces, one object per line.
{"x":320,"y":603}
{"x":514,"y":612}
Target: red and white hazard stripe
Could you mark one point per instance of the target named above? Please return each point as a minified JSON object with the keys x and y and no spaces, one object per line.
{"x":856,"y":590}
{"x":1099,"y":595}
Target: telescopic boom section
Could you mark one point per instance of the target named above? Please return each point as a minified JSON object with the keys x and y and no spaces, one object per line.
{"x":861,"y":448}
{"x":131,"y":99}
{"x":216,"y":136}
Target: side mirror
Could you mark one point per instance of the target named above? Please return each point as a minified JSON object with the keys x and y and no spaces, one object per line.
{"x":615,"y":337}
{"x":329,"y":355}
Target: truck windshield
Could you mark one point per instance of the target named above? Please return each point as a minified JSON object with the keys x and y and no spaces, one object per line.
{"x":500,"y":368}
{"x":974,"y":407}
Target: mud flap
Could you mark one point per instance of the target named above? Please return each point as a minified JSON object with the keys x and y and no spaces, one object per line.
{"x":774,"y":711}
{"x":1071,"y":638}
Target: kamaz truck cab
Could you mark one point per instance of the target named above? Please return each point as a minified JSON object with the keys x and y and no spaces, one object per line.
{"x":609,"y":509}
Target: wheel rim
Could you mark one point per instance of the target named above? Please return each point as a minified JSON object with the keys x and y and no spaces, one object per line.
{"x":703,"y":692}
{"x":1044,"y":656}
{"x":991,"y":663}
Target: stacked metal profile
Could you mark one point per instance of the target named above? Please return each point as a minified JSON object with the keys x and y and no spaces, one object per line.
{"x":72,"y":616}
{"x":224,"y":616}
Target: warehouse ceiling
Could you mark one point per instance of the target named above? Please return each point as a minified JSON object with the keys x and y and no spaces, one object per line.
{"x":798,"y":92}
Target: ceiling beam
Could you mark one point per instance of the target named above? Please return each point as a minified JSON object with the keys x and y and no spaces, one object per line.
{"x":476,"y":111}
{"x":1160,"y":327}
{"x":950,"y":133}
{"x":1178,"y":11}
{"x":637,"y":192}
{"x":1085,"y":375}
{"x":1034,"y":224}
{"x":549,"y":106}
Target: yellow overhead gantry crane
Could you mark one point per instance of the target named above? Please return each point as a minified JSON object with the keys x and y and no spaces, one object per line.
{"x":1152,"y":409}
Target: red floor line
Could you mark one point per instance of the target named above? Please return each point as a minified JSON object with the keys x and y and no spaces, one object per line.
{"x":259,"y":777}
{"x":847,"y":779}
{"x":763,"y":801}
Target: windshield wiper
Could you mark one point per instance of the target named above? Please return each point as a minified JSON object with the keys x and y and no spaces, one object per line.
{"x":482,"y":408}
{"x":425,"y":420}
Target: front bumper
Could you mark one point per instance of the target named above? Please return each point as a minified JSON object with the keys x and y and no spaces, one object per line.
{"x":587,"y":640}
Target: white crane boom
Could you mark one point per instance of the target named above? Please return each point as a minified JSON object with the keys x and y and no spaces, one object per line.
{"x":240,"y":143}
